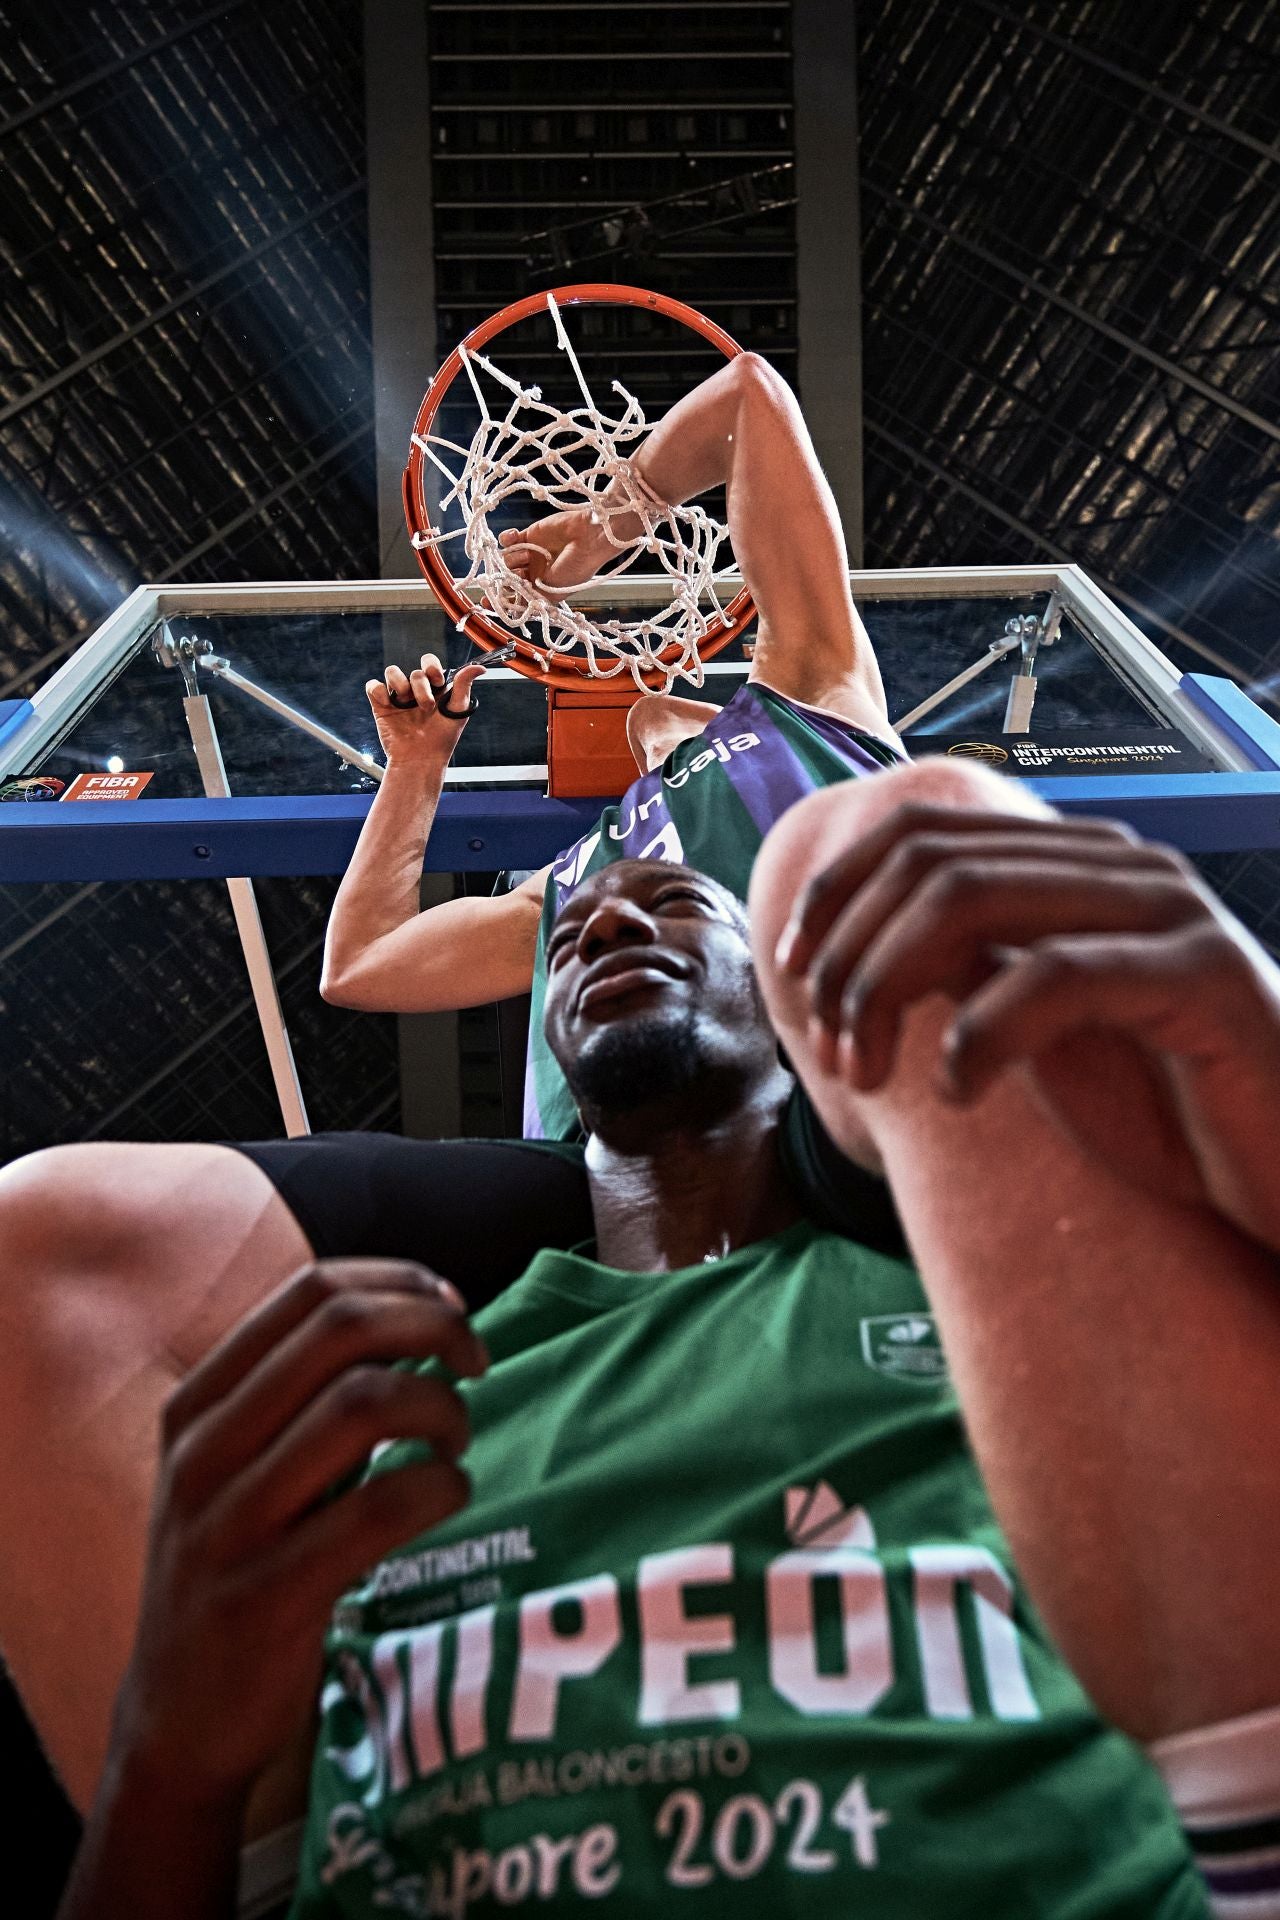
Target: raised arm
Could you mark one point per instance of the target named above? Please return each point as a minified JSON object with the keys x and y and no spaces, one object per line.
{"x":742,"y":429}
{"x":382,"y":952}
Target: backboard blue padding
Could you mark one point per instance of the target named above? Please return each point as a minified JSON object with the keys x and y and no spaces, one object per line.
{"x":1198,"y":812}
{"x":1240,"y":718}
{"x":13,"y":713}
{"x":159,"y":839}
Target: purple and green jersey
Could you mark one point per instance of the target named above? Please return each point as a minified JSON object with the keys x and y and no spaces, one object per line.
{"x":709,"y":805}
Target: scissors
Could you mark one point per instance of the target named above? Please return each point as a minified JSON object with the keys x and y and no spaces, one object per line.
{"x":491,"y":659}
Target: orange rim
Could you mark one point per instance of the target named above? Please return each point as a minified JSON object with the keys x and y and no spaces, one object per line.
{"x":470,"y":619}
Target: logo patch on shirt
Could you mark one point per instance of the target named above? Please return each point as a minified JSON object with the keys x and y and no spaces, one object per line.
{"x":905,"y":1346}
{"x":818,"y":1517}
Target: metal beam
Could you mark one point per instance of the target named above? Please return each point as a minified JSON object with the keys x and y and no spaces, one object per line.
{"x":47,"y":104}
{"x":496,"y":8}
{"x":1138,"y":348}
{"x":617,"y":57}
{"x":209,"y":839}
{"x":176,"y":1062}
{"x":401,"y":250}
{"x":1040,"y":539}
{"x":296,"y":477}
{"x":1090,"y":57}
{"x":253,"y":940}
{"x":1064,"y":434}
{"x":403,"y":330}
{"x":828,"y":249}
{"x":43,"y":388}
{"x":722,"y":105}
{"x":269,"y":835}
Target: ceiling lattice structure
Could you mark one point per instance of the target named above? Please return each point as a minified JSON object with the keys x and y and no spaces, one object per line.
{"x":1071,"y":292}
{"x":183,"y":331}
{"x":185,"y":392}
{"x":1072,"y":302}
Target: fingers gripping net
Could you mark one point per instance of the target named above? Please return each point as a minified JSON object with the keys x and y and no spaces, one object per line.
{"x":565,"y":460}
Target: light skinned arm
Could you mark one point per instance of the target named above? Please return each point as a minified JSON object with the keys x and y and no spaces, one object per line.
{"x":1146,"y":1017}
{"x":1065,"y":1055}
{"x":742,"y":429}
{"x":382,"y":952}
{"x":248,"y":1552}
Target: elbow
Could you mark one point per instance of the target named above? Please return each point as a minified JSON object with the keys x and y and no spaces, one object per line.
{"x":339,"y":987}
{"x":340,"y":972}
{"x":333,"y":990}
{"x":760,"y":383}
{"x":364,"y":993}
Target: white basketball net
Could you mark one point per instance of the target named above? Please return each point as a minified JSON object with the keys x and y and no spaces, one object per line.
{"x":536,"y":451}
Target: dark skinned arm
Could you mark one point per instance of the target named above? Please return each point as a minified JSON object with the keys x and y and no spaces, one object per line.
{"x":247,"y":1555}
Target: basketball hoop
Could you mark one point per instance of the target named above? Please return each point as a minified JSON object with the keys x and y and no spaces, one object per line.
{"x":566,"y":458}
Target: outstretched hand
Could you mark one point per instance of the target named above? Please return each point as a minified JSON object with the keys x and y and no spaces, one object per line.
{"x":248,"y":1552}
{"x":1145,"y":1015}
{"x":565,"y":549}
{"x":406,"y":710}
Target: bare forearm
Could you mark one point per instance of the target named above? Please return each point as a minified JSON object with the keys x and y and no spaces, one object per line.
{"x":742,"y":429}
{"x":380,"y":889}
{"x":691,"y":448}
{"x":689,"y":451}
{"x":1115,"y":1357}
{"x":146,"y":1855}
{"x":1113,"y":1335}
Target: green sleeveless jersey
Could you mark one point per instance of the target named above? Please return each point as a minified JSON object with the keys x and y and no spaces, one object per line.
{"x":709,"y":806}
{"x":728,"y":1628}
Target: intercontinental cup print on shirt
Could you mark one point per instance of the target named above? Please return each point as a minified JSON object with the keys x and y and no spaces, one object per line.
{"x":728,"y":1628}
{"x":708,"y":806}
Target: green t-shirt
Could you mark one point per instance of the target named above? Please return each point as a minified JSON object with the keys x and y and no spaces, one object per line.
{"x":728,"y":1627}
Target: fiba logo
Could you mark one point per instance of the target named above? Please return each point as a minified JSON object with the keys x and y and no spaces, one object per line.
{"x":979,"y":750}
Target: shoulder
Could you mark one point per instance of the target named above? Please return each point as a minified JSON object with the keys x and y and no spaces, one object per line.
{"x":859,"y":723}
{"x":532,"y":889}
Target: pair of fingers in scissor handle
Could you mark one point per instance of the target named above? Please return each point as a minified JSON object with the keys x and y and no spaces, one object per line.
{"x":491,"y":659}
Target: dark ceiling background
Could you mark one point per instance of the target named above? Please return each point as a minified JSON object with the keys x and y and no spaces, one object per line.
{"x":1070,"y":240}
{"x":186,"y":393}
{"x":1070,"y":250}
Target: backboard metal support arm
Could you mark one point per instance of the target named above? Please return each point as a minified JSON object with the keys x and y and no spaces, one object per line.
{"x":193,"y":655}
{"x":1033,"y":634}
{"x":253,"y":943}
{"x":364,"y":763}
{"x":1024,"y":633}
{"x":998,"y":650}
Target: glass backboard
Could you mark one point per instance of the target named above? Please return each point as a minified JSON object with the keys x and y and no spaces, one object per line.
{"x":1032,"y":669}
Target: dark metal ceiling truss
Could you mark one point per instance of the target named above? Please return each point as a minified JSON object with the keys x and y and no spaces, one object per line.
{"x":1071,"y":271}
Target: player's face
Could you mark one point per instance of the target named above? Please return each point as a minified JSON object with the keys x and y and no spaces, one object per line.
{"x":650,"y":989}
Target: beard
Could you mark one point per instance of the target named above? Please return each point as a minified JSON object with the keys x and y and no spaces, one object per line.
{"x":664,"y":1061}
